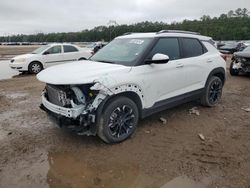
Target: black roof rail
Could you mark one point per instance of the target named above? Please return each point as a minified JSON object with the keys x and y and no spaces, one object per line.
{"x":128,"y":33}
{"x":178,"y":31}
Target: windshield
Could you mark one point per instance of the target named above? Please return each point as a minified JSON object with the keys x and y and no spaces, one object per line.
{"x":40,"y":50}
{"x":123,"y":51}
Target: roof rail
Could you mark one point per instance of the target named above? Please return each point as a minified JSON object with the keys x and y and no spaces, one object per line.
{"x":177,"y":31}
{"x":128,"y":33}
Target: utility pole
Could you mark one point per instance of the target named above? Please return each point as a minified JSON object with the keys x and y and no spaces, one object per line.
{"x":111,"y":23}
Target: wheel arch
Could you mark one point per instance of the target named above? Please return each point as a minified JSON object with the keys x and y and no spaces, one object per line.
{"x":219,"y":72}
{"x":129,"y":94}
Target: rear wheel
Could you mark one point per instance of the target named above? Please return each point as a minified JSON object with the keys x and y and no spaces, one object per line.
{"x":35,"y":67}
{"x":233,"y":72}
{"x":82,"y":58}
{"x":213,"y":92}
{"x":118,"y":121}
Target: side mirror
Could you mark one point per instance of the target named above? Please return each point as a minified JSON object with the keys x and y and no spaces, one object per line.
{"x":46,"y":53}
{"x":159,"y":59}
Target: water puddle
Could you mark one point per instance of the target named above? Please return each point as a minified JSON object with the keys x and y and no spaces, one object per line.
{"x":5,"y":71}
{"x":15,"y":95}
{"x":72,"y":170}
{"x":184,"y":182}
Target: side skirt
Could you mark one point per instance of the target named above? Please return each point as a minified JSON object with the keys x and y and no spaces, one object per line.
{"x":172,"y":102}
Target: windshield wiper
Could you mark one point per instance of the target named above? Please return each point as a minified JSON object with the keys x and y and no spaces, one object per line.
{"x":103,"y":61}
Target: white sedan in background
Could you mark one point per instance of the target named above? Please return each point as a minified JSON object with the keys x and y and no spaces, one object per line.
{"x":49,"y":55}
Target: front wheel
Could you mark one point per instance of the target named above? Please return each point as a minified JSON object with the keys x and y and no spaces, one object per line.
{"x":35,"y":67}
{"x":213,"y":92}
{"x":118,"y":121}
{"x":233,"y":72}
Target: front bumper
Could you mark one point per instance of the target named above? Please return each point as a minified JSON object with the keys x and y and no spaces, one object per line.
{"x":19,"y":66}
{"x":66,"y":112}
{"x":64,"y":117}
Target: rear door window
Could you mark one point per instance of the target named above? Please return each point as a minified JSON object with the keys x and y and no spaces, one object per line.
{"x":167,"y":46}
{"x":191,"y":47}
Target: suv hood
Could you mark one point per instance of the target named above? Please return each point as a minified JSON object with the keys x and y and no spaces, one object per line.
{"x":81,"y":72}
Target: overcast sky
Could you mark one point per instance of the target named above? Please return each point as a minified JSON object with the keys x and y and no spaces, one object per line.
{"x":32,"y":16}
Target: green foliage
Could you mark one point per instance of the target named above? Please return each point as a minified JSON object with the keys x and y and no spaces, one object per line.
{"x":235,"y":25}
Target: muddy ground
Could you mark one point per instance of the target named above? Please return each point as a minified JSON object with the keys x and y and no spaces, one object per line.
{"x":35,"y":153}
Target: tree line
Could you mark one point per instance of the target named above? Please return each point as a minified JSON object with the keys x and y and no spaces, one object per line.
{"x":234,"y":25}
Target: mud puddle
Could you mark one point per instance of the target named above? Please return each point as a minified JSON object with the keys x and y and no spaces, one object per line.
{"x":185,"y":182}
{"x":65,"y":170}
{"x":5,"y":71}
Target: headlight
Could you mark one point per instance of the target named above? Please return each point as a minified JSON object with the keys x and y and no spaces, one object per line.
{"x":20,"y":60}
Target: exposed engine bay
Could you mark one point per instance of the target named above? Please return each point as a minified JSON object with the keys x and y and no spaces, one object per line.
{"x":71,"y":106}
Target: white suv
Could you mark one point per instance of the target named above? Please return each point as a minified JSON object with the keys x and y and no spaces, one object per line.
{"x":134,"y":76}
{"x":48,"y":55}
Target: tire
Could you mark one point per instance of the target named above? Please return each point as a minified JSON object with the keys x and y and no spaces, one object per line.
{"x":35,"y":67}
{"x":213,"y":92}
{"x":82,"y":58}
{"x":232,"y":71}
{"x":118,"y":120}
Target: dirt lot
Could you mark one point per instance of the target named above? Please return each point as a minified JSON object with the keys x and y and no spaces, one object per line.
{"x":35,"y":153}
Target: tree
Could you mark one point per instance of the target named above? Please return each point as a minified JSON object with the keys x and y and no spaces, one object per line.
{"x":230,"y":14}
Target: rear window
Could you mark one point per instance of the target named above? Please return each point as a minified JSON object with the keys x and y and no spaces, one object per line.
{"x":191,"y":47}
{"x":68,"y":48}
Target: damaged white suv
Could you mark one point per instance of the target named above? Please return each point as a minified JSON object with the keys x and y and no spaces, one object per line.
{"x":134,"y":76}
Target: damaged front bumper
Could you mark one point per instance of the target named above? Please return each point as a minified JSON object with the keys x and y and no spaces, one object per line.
{"x":76,"y":119}
{"x":66,"y":112}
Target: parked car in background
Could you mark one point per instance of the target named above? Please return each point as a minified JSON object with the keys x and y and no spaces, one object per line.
{"x":132,"y":77}
{"x":240,"y":62}
{"x":232,"y":47}
{"x":95,"y":47}
{"x":48,"y":55}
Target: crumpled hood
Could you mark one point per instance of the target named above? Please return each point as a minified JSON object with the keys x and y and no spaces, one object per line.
{"x":24,"y":56}
{"x":81,"y":72}
{"x":243,"y":54}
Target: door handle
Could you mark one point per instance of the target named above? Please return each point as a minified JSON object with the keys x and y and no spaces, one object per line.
{"x":179,"y":66}
{"x":209,"y":61}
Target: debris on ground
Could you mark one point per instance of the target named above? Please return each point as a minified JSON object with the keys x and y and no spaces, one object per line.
{"x":246,"y":109}
{"x":147,"y":132}
{"x":201,"y":136}
{"x":163,"y":120}
{"x":10,"y":133}
{"x":194,"y":110}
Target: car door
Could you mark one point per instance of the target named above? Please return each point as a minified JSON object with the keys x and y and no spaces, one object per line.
{"x":53,"y":56}
{"x":195,"y":61}
{"x":70,"y":53}
{"x":163,"y":81}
